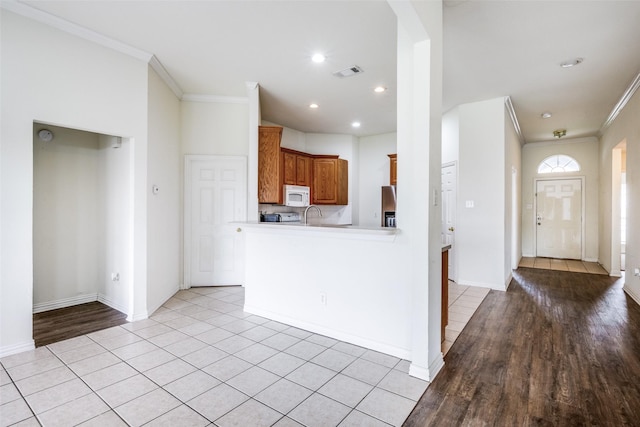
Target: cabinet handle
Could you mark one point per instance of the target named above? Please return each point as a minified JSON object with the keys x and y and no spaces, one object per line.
{"x":238,"y":230}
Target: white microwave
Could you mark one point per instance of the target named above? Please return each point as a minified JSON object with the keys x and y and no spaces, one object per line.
{"x":296,"y":195}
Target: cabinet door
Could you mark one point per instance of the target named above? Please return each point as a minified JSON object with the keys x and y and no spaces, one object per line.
{"x":269,"y":174}
{"x":303,"y":170}
{"x":393,"y":169}
{"x":324,"y":181}
{"x":289,"y":161}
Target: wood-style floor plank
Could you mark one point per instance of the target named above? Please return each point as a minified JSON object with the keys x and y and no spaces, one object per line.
{"x":557,"y":349}
{"x":69,"y":322}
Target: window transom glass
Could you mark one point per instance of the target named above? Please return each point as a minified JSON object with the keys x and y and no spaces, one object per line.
{"x":558,"y":163}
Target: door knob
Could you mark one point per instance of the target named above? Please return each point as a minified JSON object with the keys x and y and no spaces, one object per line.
{"x":451,"y":229}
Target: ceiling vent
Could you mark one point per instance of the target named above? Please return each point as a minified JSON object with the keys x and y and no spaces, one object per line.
{"x":348,"y":72}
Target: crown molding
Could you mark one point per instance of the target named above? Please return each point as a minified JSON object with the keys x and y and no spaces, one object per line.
{"x":194,"y":97}
{"x":165,"y":76}
{"x":626,"y":96}
{"x":514,"y":119}
{"x":92,"y":36}
{"x":75,"y":29}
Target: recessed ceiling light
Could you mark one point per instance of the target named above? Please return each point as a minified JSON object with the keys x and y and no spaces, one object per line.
{"x":314,"y":106}
{"x":545,"y":115}
{"x":318,"y":58}
{"x":355,"y":124}
{"x":380,"y":89}
{"x":571,"y":63}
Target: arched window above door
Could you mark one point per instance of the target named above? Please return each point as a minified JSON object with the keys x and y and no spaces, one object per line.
{"x":558,"y":163}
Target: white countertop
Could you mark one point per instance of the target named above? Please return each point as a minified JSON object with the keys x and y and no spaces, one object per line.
{"x":334,"y":230}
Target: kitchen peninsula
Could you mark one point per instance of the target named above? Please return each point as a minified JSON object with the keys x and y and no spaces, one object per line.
{"x":347,"y":282}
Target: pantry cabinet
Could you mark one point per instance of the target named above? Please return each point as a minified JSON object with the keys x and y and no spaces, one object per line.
{"x":270,"y":175}
{"x":330,"y":181}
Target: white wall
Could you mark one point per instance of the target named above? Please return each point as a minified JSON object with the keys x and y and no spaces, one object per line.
{"x":512,"y":194}
{"x":83,"y":86}
{"x":115,"y":176}
{"x":450,"y":136}
{"x":625,"y":127}
{"x":480,"y":230}
{"x":373,"y":168}
{"x":164,"y":208}
{"x":67,"y":218}
{"x":585,"y":151}
{"x":216,"y":128}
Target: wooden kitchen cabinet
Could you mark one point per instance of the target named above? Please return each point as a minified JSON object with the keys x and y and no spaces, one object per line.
{"x":270,"y":176}
{"x":393,"y":169}
{"x":330,"y":181}
{"x":297,"y":167}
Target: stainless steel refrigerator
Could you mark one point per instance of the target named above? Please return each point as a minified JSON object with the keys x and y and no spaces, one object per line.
{"x":388,"y":211}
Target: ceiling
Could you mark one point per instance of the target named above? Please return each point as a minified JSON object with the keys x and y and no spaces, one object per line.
{"x":491,"y":49}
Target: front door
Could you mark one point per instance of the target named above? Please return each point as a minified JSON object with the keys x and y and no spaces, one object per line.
{"x":449,"y":213}
{"x":215,"y":195}
{"x":559,"y":218}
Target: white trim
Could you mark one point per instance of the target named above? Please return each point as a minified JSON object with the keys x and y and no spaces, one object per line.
{"x":482,"y":285}
{"x":514,"y":119}
{"x":194,"y":97}
{"x":8,"y":350}
{"x":64,"y":302}
{"x":107,"y":301}
{"x":631,"y":294}
{"x":165,"y":76}
{"x":583,"y":222}
{"x":508,"y":281}
{"x":75,"y":29}
{"x":626,"y":96}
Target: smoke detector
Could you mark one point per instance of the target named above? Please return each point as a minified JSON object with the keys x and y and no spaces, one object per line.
{"x":348,"y":72}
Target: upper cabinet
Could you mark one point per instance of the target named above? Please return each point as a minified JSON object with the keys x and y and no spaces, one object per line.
{"x":330,"y":181}
{"x":326,"y":175}
{"x":270,"y":178}
{"x":393,"y":169}
{"x":297,"y":167}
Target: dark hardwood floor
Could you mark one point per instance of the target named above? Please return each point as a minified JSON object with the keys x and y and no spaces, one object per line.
{"x":64,"y":323}
{"x":556,"y":349}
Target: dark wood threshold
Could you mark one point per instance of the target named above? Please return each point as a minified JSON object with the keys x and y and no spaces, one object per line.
{"x":70,"y":322}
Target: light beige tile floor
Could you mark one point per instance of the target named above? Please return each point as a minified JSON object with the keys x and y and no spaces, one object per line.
{"x":463,"y":302}
{"x":201,"y":360}
{"x":575,"y":266}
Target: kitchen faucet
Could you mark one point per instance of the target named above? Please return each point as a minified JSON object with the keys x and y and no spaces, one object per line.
{"x":307,"y":210}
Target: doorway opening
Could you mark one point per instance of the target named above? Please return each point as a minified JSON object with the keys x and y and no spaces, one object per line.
{"x":618,"y":208}
{"x":81,"y":227}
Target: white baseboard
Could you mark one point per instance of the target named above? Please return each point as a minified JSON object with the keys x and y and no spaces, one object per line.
{"x":111,"y":303}
{"x":631,"y":294}
{"x":64,"y":302}
{"x":427,"y":374}
{"x":482,"y":285}
{"x":8,"y":350}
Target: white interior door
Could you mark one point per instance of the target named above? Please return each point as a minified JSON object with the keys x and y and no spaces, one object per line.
{"x":449,"y":213}
{"x":215,"y":195}
{"x":559,"y":218}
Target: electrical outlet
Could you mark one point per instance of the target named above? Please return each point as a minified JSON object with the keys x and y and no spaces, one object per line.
{"x":115,"y":277}
{"x":636,"y":271}
{"x":323,"y":298}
